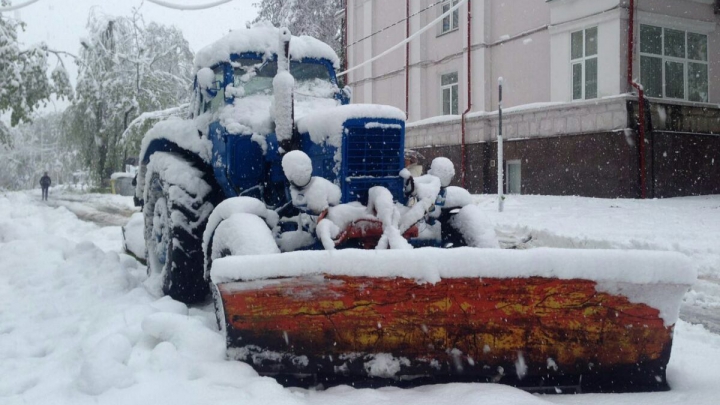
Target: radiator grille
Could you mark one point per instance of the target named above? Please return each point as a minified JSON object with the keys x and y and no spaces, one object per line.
{"x":373,"y":156}
{"x":374,"y":152}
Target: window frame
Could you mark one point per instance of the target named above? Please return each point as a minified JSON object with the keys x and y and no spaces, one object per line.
{"x":217,"y":102}
{"x":582,"y":61}
{"x":664,"y":59}
{"x":453,"y":19}
{"x":443,"y":87}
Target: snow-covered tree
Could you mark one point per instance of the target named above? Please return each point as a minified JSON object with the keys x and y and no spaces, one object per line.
{"x":315,"y":18}
{"x":23,"y":74}
{"x":34,"y":148}
{"x":127,"y":68}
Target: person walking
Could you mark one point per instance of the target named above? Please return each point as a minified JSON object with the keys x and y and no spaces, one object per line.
{"x":45,"y":185}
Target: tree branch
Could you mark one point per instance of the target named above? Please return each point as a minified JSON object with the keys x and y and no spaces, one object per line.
{"x":62,"y":53}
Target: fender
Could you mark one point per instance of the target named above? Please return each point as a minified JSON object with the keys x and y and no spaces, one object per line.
{"x":165,"y":145}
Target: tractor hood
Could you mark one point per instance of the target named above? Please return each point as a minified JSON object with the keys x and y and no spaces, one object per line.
{"x":327,"y":126}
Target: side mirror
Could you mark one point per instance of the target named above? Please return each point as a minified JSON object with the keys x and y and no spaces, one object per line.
{"x":345,"y":95}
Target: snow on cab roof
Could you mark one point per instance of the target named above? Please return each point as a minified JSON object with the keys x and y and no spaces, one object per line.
{"x":263,"y":38}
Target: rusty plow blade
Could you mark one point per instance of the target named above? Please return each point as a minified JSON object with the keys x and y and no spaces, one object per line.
{"x":524,"y":318}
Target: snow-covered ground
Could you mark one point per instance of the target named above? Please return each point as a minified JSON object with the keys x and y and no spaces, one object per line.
{"x":80,"y":324}
{"x":101,"y":209}
{"x":687,"y":225}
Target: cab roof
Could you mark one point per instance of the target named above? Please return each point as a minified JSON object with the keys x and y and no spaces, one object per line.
{"x":264,"y":39}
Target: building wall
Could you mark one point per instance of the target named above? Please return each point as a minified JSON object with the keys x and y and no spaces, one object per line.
{"x":677,"y":165}
{"x":696,"y":9}
{"x":390,"y":87}
{"x":564,"y":11}
{"x":522,"y":60}
{"x":359,"y":24}
{"x":684,"y":164}
{"x":560,"y":165}
{"x":497,"y":50}
{"x":525,"y":41}
{"x":557,"y":165}
{"x":682,"y":150}
{"x":438,"y":54}
{"x":585,"y":147}
{"x":537,"y":121}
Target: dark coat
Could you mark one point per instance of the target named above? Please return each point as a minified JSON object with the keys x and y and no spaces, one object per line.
{"x":45,"y":181}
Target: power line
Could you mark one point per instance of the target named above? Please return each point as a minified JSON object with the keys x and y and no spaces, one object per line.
{"x":194,"y":7}
{"x":410,"y":38}
{"x":396,"y":23}
{"x":18,"y":6}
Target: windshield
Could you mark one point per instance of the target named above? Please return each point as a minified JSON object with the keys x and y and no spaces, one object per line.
{"x":252,"y":77}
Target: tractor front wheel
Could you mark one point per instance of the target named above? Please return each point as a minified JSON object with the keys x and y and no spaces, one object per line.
{"x":177,"y":204}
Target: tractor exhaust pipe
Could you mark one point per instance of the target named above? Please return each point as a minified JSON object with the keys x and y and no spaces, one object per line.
{"x":284,"y":56}
{"x":284,"y":105}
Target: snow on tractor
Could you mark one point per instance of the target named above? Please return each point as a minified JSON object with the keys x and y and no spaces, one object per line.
{"x":330,"y":264}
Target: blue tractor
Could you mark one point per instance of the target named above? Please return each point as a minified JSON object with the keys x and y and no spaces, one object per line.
{"x":258,"y":95}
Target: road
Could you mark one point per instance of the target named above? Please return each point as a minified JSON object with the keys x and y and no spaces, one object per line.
{"x":100,"y":209}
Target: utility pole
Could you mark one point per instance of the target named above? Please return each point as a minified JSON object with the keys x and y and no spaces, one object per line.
{"x":500,"y":166}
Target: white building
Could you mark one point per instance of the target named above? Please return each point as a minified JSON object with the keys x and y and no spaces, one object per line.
{"x":570,"y":115}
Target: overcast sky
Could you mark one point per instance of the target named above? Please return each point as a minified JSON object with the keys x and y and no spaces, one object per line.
{"x":61,"y":23}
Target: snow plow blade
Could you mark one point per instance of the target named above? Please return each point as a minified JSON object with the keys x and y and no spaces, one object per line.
{"x":543,"y":319}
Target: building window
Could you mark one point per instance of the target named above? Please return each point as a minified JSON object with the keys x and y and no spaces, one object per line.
{"x":451,"y":22}
{"x":673,"y":63}
{"x":513,"y":179}
{"x":584,"y":60}
{"x":449,"y":89}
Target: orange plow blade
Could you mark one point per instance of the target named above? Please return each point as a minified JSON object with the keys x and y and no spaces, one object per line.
{"x":538,"y":333}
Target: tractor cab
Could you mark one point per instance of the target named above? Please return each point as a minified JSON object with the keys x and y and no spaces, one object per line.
{"x":251,"y":74}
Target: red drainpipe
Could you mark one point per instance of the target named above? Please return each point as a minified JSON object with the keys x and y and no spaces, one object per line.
{"x":641,"y":97}
{"x":407,"y":59}
{"x":463,"y":162}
